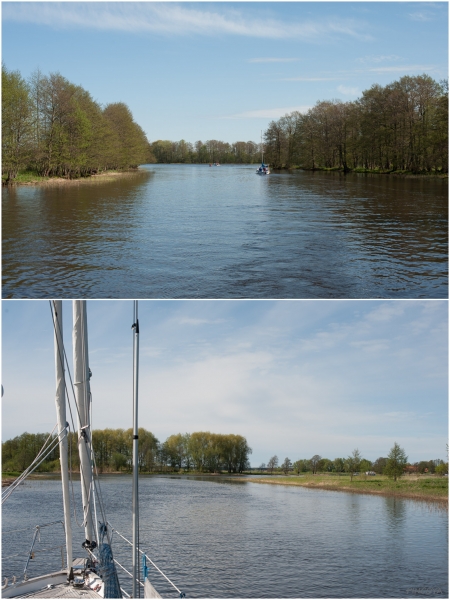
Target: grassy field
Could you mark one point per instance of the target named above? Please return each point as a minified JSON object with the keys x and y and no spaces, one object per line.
{"x":421,"y":487}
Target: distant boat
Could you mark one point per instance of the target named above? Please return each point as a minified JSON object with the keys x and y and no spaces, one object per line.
{"x":263,"y":169}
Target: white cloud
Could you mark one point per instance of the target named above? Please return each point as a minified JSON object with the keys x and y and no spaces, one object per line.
{"x":272,"y":60}
{"x":167,"y":18}
{"x":310,"y":79}
{"x":348,"y":91}
{"x":403,"y":69}
{"x":421,"y":16}
{"x":378,"y":58}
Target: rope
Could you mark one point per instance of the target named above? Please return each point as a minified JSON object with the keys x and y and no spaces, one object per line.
{"x":107,"y":567}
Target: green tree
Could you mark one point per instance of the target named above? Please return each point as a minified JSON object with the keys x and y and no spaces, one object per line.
{"x":314,"y":462}
{"x":16,"y":123}
{"x":353,"y":463}
{"x":339,"y":465}
{"x":396,"y":461}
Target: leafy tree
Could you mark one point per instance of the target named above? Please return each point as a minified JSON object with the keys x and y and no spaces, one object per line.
{"x":300,"y":466}
{"x":442,"y":469}
{"x":16,"y":123}
{"x":379,"y":465}
{"x":314,"y":462}
{"x":353,"y":462}
{"x":339,"y":465}
{"x":396,"y":462}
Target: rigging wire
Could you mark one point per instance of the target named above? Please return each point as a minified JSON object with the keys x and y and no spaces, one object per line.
{"x":36,"y":462}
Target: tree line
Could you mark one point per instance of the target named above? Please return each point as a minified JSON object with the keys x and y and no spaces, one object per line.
{"x":113,"y":450}
{"x":53,"y":127}
{"x":211,"y":151}
{"x":394,"y":465}
{"x":402,"y":126}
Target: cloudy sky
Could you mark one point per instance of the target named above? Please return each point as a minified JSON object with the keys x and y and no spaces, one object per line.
{"x":224,"y":70}
{"x":296,"y":378}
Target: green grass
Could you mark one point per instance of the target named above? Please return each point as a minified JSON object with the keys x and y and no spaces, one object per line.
{"x":27,"y":177}
{"x":422,"y":487}
{"x":6,"y":474}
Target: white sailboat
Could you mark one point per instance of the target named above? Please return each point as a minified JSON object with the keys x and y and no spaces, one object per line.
{"x":94,"y":574}
{"x":263,"y":169}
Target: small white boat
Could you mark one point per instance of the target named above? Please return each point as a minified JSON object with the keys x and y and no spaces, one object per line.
{"x":263,"y":169}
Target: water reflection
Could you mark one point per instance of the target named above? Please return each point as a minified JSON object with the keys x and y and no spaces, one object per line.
{"x":259,"y":541}
{"x":193,"y":232}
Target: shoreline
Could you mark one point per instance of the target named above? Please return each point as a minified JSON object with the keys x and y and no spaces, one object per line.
{"x":312,"y":485}
{"x":346,"y":488}
{"x":103,"y":177}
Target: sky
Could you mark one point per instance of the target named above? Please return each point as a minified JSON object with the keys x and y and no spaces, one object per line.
{"x":296,"y":378}
{"x":224,"y":70}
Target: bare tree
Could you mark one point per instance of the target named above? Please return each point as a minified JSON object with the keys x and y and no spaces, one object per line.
{"x":273,"y":463}
{"x":286,"y":466}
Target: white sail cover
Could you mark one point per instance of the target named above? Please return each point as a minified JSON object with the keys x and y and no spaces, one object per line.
{"x":149,"y":590}
{"x":82,"y":395}
{"x":60,"y":401}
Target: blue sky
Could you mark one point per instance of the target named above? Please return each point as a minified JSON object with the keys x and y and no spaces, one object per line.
{"x":296,"y":378}
{"x":224,"y":70}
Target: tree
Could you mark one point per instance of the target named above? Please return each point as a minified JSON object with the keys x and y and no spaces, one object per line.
{"x":379,"y":465}
{"x":16,"y":123}
{"x":396,"y":462}
{"x":314,"y":462}
{"x":273,"y":463}
{"x":353,"y":463}
{"x":300,"y":466}
{"x":442,"y":469}
{"x":286,"y":466}
{"x":339,"y":465}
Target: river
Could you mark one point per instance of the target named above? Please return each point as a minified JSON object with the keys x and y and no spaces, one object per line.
{"x":217,"y":538}
{"x":191,"y":231}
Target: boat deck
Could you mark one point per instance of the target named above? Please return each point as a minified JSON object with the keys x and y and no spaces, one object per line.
{"x":62,"y":590}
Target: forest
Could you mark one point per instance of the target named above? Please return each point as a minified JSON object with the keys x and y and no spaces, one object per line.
{"x":402,"y":126}
{"x":53,"y":127}
{"x":200,"y":451}
{"x":211,"y":151}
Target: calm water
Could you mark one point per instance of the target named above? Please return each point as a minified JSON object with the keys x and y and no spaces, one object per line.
{"x":190,"y":231}
{"x":226,"y":539}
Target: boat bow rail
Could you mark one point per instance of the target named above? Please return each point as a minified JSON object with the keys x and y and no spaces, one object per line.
{"x":145,"y":558}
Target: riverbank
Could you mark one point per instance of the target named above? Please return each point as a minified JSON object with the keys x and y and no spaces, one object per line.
{"x":427,"y":488}
{"x":32,"y":179}
{"x":360,"y":171}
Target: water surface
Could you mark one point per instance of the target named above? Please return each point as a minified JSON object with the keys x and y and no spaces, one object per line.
{"x":220,"y":539}
{"x":191,"y":231}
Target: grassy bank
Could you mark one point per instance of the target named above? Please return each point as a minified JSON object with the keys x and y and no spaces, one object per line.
{"x":32,"y":178}
{"x":420,"y":487}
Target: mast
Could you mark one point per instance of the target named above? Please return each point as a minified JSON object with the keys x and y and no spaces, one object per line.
{"x":135,"y":327}
{"x":82,"y":396}
{"x":262,"y":150}
{"x":60,"y":401}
